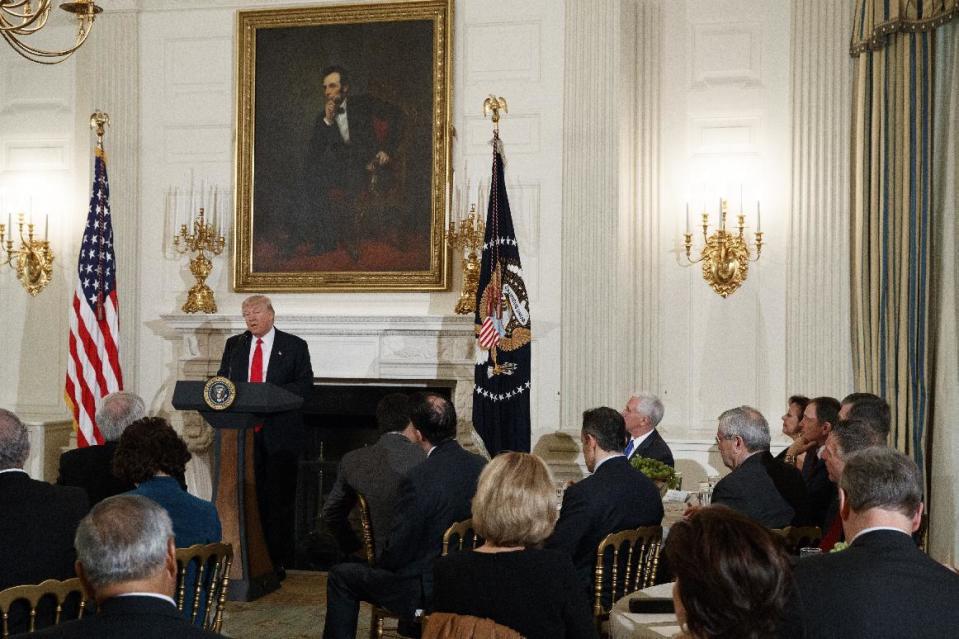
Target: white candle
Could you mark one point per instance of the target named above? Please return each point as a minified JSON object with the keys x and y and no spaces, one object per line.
{"x":759,"y":218}
{"x":740,"y":197}
{"x":46,"y":227}
{"x":687,"y":219}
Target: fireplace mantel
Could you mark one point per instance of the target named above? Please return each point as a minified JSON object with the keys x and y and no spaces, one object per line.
{"x":356,"y":348}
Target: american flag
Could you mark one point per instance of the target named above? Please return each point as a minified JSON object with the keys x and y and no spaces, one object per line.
{"x":93,"y":367}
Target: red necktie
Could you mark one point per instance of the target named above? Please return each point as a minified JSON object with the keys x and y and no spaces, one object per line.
{"x":256,"y":371}
{"x":256,"y":368}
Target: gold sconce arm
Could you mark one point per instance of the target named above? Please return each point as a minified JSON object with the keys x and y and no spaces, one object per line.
{"x":725,"y":255}
{"x":32,"y":261}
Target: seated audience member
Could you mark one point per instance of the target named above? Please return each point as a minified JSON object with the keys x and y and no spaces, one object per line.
{"x":37,"y":520}
{"x":374,"y":472}
{"x":433,"y":495}
{"x":91,"y":467}
{"x":792,"y":428}
{"x":820,"y":416}
{"x":881,"y":585}
{"x":732,"y":576}
{"x":509,"y":579}
{"x":849,"y":436}
{"x":615,"y":497}
{"x":759,"y":487}
{"x":642,"y":414}
{"x":126,"y":561}
{"x":870,"y":408}
{"x":150,"y":455}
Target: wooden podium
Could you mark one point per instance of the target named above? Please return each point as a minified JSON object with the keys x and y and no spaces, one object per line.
{"x":234,"y":479}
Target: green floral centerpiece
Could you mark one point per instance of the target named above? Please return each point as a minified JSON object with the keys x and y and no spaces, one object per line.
{"x":662,"y":475}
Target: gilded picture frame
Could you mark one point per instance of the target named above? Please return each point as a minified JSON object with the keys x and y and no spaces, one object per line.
{"x":343,"y":147}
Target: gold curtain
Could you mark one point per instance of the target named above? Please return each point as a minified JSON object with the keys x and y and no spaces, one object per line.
{"x":893,"y":42}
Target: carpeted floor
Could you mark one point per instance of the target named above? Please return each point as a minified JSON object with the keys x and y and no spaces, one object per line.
{"x":295,"y":611}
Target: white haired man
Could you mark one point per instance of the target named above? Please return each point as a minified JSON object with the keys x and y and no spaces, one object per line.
{"x":642,"y":414}
{"x":91,"y":468}
{"x":126,"y":560}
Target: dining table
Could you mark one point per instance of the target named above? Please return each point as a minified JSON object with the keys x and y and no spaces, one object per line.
{"x":624,"y":624}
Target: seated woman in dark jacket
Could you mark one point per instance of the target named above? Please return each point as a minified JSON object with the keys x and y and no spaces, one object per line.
{"x":151,"y":455}
{"x":509,"y":579}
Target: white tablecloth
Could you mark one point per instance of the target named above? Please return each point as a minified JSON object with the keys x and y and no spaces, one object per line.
{"x":625,"y":625}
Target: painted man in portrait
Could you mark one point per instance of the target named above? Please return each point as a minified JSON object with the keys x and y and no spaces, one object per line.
{"x":354,"y":169}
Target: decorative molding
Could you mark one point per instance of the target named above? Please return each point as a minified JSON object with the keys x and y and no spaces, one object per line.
{"x":725,"y":135}
{"x":190,"y":87}
{"x":36,"y":155}
{"x":818,"y":343}
{"x":725,"y":53}
{"x":23,"y":90}
{"x":193,"y":144}
{"x":524,"y":135}
{"x":517,"y":47}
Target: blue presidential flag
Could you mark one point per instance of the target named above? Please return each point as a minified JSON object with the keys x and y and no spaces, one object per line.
{"x":503,"y":329}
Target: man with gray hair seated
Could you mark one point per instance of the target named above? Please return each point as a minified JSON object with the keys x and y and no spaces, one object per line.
{"x":126,"y":560}
{"x":37,"y":520}
{"x":882,"y":585}
{"x":642,"y":414}
{"x":90,"y":468}
{"x":759,"y":487}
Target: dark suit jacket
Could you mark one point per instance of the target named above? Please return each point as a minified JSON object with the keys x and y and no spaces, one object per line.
{"x":375,"y":472}
{"x":881,"y":586}
{"x":128,"y":618}
{"x":821,"y":491}
{"x":433,"y":495}
{"x":654,"y":447}
{"x":751,"y":490}
{"x":91,"y":469}
{"x":290,"y":368}
{"x":613,"y":498}
{"x":789,"y":483}
{"x":37,"y":526}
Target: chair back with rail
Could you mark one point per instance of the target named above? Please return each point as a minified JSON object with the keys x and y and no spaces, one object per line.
{"x":460,"y":535}
{"x":48,"y":603}
{"x":626,"y":561}
{"x":203,"y":580}
{"x":796,"y":537}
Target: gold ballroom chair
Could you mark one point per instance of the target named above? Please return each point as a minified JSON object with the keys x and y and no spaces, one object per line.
{"x":457,"y":534}
{"x":632,"y":557}
{"x":447,"y":625}
{"x":211,"y":581}
{"x":59,"y":591}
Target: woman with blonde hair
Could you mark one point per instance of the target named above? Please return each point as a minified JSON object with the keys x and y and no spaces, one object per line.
{"x":510,"y":578}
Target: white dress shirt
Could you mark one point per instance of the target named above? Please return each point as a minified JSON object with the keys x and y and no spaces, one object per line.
{"x":266,"y":347}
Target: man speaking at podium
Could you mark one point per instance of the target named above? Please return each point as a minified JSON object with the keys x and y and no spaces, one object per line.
{"x":264,"y":354}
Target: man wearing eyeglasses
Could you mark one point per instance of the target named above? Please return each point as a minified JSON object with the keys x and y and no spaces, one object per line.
{"x":759,"y":486}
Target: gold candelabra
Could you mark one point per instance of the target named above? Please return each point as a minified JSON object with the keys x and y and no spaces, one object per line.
{"x":467,"y":235}
{"x":33,"y":261}
{"x":205,"y":238}
{"x":23,"y":18}
{"x":725,"y":255}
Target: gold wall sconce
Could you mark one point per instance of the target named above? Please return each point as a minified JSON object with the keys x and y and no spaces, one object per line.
{"x":23,"y":18}
{"x":33,"y":260}
{"x":725,"y":255}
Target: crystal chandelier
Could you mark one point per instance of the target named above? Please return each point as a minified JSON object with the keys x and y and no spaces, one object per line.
{"x":22,"y":18}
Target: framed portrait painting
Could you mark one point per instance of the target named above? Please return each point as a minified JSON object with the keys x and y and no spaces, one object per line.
{"x":342,"y":154}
